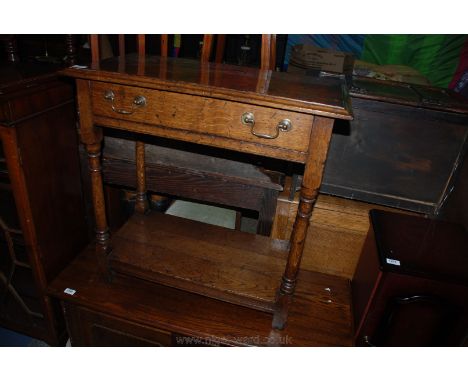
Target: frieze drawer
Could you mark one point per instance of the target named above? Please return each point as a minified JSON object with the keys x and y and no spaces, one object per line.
{"x":250,"y":123}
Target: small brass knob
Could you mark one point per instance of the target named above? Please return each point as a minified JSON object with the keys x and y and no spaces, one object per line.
{"x":248,"y":118}
{"x":285,"y":125}
{"x":139,"y":100}
{"x":109,"y":95}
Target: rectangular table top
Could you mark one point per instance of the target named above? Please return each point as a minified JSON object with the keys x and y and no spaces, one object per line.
{"x":320,"y":96}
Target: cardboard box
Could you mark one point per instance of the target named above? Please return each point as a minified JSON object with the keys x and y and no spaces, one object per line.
{"x":308,"y":57}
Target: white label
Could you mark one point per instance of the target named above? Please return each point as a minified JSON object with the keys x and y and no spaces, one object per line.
{"x":70,"y":291}
{"x":79,"y":66}
{"x":393,"y":261}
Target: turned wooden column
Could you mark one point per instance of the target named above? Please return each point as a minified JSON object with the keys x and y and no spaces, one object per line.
{"x":91,"y":136}
{"x":317,"y":155}
{"x":70,"y":45}
{"x":141,"y":204}
{"x":11,"y":48}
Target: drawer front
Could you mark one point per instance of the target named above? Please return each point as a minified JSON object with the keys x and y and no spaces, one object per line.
{"x":203,"y":115}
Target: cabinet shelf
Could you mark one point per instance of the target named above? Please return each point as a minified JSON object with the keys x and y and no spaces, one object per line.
{"x":217,"y":262}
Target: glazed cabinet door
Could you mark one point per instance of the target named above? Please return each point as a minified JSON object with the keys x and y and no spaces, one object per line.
{"x":20,"y":303}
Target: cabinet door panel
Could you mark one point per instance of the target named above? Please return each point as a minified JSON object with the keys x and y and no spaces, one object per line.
{"x":89,"y":328}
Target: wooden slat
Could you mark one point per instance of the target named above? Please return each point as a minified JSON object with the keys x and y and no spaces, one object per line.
{"x":206,"y":49}
{"x":164,"y":44}
{"x":220,"y":46}
{"x":94,"y":42}
{"x":217,"y":262}
{"x":273,"y":52}
{"x":141,"y":44}
{"x":265,"y":52}
{"x":121,"y":45}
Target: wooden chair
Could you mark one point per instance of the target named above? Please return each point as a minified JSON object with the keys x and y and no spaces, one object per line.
{"x":189,"y":174}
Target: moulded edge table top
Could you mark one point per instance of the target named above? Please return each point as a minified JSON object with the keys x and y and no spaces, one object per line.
{"x":22,"y":75}
{"x":321,"y":96}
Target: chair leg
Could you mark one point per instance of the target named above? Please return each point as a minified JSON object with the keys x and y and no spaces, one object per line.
{"x":267,"y":212}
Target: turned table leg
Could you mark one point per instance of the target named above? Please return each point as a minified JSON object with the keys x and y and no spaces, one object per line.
{"x":317,"y":155}
{"x":91,"y":136}
{"x":141,"y":204}
{"x":94,"y":162}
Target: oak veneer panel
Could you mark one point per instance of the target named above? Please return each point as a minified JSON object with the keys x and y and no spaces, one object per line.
{"x":204,"y":115}
{"x":230,"y":265}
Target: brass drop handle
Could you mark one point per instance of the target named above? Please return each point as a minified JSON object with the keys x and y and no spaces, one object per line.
{"x":138,"y":101}
{"x":248,"y":118}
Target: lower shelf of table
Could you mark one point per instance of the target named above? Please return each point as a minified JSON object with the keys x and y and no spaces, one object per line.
{"x":216,"y":262}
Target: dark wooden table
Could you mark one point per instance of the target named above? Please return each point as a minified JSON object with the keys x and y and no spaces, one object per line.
{"x":132,"y":312}
{"x":243,"y":109}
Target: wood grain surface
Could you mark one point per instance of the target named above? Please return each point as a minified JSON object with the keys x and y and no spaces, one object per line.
{"x":324,"y":96}
{"x":203,"y":115}
{"x":221,"y":263}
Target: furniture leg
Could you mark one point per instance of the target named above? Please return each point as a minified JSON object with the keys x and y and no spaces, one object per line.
{"x":101,"y":229}
{"x":141,"y":204}
{"x":91,"y":136}
{"x":267,"y":212}
{"x":318,"y":148}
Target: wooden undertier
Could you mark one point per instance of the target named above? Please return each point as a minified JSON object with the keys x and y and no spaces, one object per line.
{"x":319,"y":315}
{"x":232,"y":266}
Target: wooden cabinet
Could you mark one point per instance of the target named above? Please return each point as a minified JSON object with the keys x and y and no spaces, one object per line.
{"x":403,"y":148}
{"x":42,"y":220}
{"x":132,"y":312}
{"x":410,"y":287}
{"x":88,"y":328}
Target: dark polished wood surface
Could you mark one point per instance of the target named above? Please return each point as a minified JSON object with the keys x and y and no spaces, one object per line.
{"x":40,"y":184}
{"x":17,"y":76}
{"x":403,"y":148}
{"x":410,"y":287}
{"x":306,"y":94}
{"x":211,"y":260}
{"x":425,"y":247}
{"x":320,"y":315}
